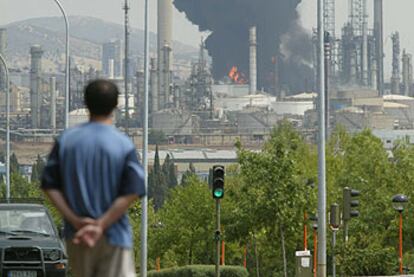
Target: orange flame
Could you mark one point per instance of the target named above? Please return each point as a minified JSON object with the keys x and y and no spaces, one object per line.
{"x":236,"y":76}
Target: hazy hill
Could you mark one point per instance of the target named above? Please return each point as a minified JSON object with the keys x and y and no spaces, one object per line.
{"x":87,"y":36}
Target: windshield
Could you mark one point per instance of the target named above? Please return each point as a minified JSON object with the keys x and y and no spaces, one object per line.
{"x":25,"y":221}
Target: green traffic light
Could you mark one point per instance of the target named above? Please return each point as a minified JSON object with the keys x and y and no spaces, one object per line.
{"x":218,"y":193}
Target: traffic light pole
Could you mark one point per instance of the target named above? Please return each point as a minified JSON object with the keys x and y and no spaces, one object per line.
{"x":218,"y":238}
{"x":346,"y":231}
{"x":333,"y":253}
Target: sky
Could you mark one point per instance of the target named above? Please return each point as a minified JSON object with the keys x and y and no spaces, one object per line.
{"x":397,"y":16}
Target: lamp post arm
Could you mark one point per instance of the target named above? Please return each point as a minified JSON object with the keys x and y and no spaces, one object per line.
{"x":67,"y":55}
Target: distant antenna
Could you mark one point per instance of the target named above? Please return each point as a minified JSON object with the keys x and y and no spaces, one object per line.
{"x":126,"y":70}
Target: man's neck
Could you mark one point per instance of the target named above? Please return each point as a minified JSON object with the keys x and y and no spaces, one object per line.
{"x":101,"y":119}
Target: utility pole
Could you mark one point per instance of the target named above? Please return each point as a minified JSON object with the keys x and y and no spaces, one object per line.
{"x":217,"y":238}
{"x":321,"y":146}
{"x":126,"y":73}
{"x":7,"y":87}
{"x":144,"y":201}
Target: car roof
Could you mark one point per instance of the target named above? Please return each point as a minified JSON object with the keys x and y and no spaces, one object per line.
{"x":21,"y":206}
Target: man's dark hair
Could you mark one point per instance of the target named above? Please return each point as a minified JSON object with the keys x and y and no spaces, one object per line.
{"x":101,"y":97}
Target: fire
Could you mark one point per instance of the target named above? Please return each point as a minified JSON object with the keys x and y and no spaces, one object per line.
{"x":236,"y":76}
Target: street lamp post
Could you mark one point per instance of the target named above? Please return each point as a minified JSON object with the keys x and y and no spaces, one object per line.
{"x":310,"y":184}
{"x":66,"y":63}
{"x":6,"y":70}
{"x":399,"y":202}
{"x":144,"y":201}
{"x":321,"y":144}
{"x":314,"y":220}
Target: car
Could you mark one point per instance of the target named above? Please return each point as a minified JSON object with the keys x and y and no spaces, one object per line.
{"x":30,"y":244}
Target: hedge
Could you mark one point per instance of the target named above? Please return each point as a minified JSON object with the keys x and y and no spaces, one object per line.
{"x":200,"y":271}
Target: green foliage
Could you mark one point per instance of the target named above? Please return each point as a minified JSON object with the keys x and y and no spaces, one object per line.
{"x":38,"y":169}
{"x":169,"y":171}
{"x":372,"y":260}
{"x":157,"y":137}
{"x":200,"y":271}
{"x":186,"y":226}
{"x":14,"y":164}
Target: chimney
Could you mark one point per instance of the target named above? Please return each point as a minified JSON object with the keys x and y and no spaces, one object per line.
{"x":36,"y":53}
{"x":253,"y":60}
{"x":164,"y":32}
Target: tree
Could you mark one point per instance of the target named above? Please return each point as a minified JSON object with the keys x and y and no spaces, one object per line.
{"x":275,"y":179}
{"x":14,"y":164}
{"x":191,"y":171}
{"x":168,"y":169}
{"x":37,"y":169}
{"x":157,"y":186}
{"x":187,"y":220}
{"x":157,"y":137}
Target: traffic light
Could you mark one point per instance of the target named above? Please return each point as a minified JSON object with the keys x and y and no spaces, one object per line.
{"x":350,"y":203}
{"x":218,"y":181}
{"x":334,"y":220}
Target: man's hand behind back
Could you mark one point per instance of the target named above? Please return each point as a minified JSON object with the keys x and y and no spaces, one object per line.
{"x":89,"y":235}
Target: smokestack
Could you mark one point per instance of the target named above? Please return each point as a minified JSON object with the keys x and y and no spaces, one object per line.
{"x":407,"y":72}
{"x":365,"y":44}
{"x":253,"y":60}
{"x":379,"y":44}
{"x":52,"y":90}
{"x":154,"y":85}
{"x":165,"y":23}
{"x":36,"y":53}
{"x":395,"y":79}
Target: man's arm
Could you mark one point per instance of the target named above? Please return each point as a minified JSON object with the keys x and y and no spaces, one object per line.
{"x":52,"y":186}
{"x":117,"y":210}
{"x":131,"y":187}
{"x":59,"y":201}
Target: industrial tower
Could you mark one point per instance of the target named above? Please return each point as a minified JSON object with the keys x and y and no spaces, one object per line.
{"x":126,"y":63}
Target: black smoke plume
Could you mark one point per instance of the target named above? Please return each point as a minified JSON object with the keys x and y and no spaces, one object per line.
{"x":228,"y":44}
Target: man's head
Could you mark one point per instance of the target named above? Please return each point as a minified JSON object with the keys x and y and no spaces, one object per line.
{"x":101,"y":97}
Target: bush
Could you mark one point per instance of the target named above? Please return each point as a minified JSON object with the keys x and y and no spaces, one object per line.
{"x":373,"y":260}
{"x":200,"y":271}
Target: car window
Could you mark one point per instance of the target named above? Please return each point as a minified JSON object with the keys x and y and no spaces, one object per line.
{"x":26,"y":220}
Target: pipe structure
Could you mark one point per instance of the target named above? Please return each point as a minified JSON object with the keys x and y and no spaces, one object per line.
{"x":395,"y":79}
{"x":365,"y":44}
{"x":67,"y":68}
{"x":154,"y":86}
{"x":166,"y":76}
{"x":379,"y":43}
{"x":126,"y":69}
{"x":52,"y":90}
{"x":321,"y":145}
{"x":6,"y":72}
{"x":253,"y":60}
{"x":144,"y":200}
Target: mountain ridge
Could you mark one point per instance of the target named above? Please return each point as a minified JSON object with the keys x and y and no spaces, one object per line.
{"x":87,"y":36}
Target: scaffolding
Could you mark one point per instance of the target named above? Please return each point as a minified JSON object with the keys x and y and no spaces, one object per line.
{"x":357,"y":16}
{"x":329,"y":17}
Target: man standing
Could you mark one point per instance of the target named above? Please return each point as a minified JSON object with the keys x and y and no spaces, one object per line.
{"x":92,"y":177}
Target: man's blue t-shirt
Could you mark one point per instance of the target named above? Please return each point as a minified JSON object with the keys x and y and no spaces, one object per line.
{"x":92,"y":165}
